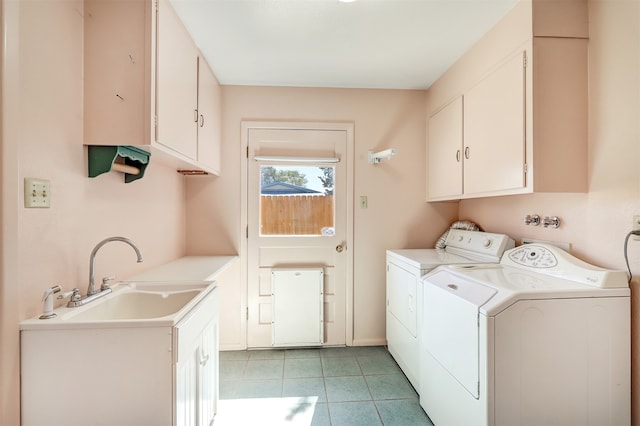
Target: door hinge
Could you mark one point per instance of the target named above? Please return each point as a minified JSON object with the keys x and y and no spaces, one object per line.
{"x":247,"y":311}
{"x":247,"y":232}
{"x":525,"y":168}
{"x":247,"y":152}
{"x":524,"y":59}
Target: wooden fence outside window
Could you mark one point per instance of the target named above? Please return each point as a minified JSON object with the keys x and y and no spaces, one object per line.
{"x":295,"y":214}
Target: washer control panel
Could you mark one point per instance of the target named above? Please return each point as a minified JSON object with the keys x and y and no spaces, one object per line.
{"x":533,"y":256}
{"x":550,"y":260}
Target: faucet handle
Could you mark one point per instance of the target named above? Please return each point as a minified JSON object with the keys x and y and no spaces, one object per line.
{"x":105,"y":281}
{"x":74,"y":295}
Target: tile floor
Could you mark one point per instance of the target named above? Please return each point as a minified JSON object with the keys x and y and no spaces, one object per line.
{"x":328,"y":386}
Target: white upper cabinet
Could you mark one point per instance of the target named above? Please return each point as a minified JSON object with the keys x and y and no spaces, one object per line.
{"x":522,"y":123}
{"x":177,"y":85}
{"x":209,"y":114}
{"x":445,"y":152}
{"x":142,"y":84}
{"x":494,"y":132}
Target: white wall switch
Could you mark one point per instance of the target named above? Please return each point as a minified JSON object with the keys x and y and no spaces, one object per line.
{"x":36,"y":193}
{"x":364,"y":203}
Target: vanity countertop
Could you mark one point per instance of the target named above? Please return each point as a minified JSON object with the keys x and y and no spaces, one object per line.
{"x":188,"y":268}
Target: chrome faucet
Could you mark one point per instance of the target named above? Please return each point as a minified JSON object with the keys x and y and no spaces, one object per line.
{"x":91,"y":289}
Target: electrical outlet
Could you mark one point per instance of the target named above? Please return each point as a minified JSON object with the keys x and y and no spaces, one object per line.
{"x":363,"y":202}
{"x":36,"y":193}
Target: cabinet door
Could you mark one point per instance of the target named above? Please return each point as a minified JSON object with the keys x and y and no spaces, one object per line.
{"x":116,"y":81}
{"x":208,"y":374}
{"x":177,"y":86}
{"x":494,"y":130}
{"x":444,"y":174}
{"x":208,"y":118}
{"x":187,"y":389}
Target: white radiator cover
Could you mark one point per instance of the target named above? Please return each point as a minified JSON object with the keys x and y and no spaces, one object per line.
{"x":297,"y":308}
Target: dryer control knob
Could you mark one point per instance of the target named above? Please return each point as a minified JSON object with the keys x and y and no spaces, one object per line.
{"x":487,"y":242}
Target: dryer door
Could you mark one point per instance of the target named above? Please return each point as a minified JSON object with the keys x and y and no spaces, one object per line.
{"x":451,"y":325}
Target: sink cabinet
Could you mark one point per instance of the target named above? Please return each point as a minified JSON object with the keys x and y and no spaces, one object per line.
{"x":147,"y":85}
{"x":196,"y":366}
{"x":122,"y":373}
{"x":510,"y":117}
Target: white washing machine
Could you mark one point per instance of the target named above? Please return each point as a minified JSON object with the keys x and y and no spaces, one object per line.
{"x":541,"y":339}
{"x":404,"y":271}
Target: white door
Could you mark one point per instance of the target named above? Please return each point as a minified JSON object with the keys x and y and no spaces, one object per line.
{"x":297,"y":218}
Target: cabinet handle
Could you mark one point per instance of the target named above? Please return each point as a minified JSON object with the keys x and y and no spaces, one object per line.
{"x":203,"y":358}
{"x":466,"y":152}
{"x":201,"y":120}
{"x":195,"y":115}
{"x":458,"y":156}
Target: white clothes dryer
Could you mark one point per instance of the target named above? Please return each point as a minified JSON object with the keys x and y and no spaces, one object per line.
{"x":406,"y":267}
{"x":540,"y":339}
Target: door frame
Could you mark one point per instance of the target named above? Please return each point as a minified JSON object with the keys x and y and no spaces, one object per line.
{"x":348,"y":127}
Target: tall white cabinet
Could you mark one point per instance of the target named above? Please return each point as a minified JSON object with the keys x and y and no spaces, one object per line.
{"x":146,"y":84}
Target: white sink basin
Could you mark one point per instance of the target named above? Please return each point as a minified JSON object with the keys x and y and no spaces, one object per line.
{"x":135,"y":305}
{"x":131,"y":304}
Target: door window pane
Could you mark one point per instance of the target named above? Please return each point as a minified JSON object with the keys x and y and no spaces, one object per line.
{"x":297,"y":200}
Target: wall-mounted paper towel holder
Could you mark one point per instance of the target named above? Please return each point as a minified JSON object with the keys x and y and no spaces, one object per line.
{"x":129,"y":160}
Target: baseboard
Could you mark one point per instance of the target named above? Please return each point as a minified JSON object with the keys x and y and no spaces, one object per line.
{"x":369,"y":342}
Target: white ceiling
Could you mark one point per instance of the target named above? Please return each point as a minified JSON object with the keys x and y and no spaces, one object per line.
{"x":391,"y":44}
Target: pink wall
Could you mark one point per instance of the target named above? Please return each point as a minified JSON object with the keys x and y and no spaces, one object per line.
{"x":42,"y":137}
{"x":397,"y":215}
{"x":597,"y":222}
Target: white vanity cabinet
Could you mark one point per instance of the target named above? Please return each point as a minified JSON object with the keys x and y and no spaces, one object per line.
{"x":145,"y":372}
{"x":146,"y":84}
{"x":510,"y":117}
{"x":196,"y":366}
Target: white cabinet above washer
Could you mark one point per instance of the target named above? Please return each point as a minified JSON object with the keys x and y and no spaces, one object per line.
{"x":510,"y":117}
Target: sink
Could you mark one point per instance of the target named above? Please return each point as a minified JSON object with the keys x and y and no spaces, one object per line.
{"x":136,"y":305}
{"x":131,"y":304}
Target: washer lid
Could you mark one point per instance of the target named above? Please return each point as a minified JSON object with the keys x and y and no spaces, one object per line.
{"x":472,"y":292}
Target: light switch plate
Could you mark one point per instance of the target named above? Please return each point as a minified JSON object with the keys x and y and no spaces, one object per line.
{"x":364,"y":203}
{"x":36,"y":193}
